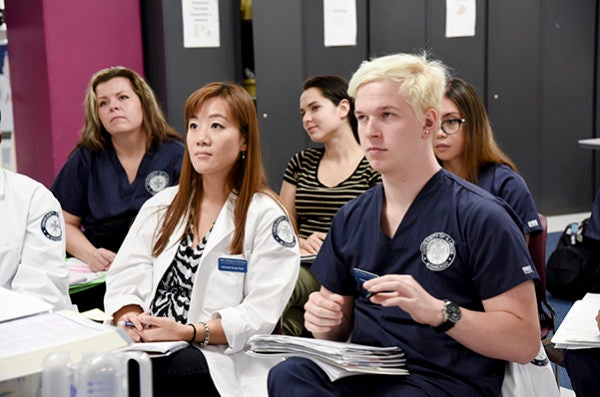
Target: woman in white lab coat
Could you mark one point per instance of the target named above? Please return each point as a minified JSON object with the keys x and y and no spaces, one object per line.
{"x":212,"y":261}
{"x":32,"y":243}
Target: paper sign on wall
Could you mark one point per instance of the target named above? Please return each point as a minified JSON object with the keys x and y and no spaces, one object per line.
{"x":339,"y":22}
{"x":460,"y":18}
{"x":201,"y":26}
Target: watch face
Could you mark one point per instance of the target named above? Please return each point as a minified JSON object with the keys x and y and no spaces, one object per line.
{"x":453,"y":312}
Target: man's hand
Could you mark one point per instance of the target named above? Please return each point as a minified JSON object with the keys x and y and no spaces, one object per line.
{"x":323,"y":311}
{"x":405,"y":292}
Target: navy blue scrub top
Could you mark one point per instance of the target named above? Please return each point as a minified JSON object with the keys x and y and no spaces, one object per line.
{"x":501,"y":181}
{"x":94,"y":187}
{"x":460,"y":243}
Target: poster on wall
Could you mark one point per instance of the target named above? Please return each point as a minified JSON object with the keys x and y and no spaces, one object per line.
{"x":6,"y":122}
{"x":339,"y":22}
{"x":201,"y":26}
{"x":7,"y":148}
{"x":460,"y":18}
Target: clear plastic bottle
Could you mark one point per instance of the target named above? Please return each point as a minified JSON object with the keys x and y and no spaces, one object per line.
{"x":107,"y":374}
{"x":102,"y":375}
{"x":58,"y":375}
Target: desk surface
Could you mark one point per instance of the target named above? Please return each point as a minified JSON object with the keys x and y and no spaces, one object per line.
{"x":593,"y":143}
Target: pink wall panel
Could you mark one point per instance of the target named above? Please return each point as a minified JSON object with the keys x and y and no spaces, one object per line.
{"x":54,"y":48}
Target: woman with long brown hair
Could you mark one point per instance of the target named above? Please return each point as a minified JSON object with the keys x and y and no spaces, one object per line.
{"x":212,"y":261}
{"x":465,"y":146}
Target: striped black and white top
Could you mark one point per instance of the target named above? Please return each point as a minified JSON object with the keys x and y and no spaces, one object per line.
{"x":316,"y":204}
{"x":174,"y":291}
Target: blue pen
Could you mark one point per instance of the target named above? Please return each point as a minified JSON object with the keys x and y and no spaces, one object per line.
{"x":130,"y":324}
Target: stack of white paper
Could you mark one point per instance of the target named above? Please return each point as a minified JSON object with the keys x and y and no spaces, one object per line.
{"x":17,"y":305}
{"x":25,"y":342}
{"x":579,"y":329}
{"x":157,"y":348}
{"x":80,"y":273}
{"x":337,"y":359}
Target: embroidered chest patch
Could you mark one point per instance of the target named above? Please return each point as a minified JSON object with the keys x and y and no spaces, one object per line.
{"x":438,"y":251}
{"x":157,"y":181}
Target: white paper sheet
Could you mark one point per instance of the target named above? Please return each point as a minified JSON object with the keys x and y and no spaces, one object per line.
{"x":80,"y":272}
{"x":460,"y":18}
{"x":201,"y":25}
{"x":579,"y":328}
{"x":42,"y":331}
{"x":339,"y":22}
{"x":16,"y":305}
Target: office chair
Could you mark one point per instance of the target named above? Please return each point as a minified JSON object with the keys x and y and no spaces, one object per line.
{"x":546,"y":314}
{"x":537,"y":250}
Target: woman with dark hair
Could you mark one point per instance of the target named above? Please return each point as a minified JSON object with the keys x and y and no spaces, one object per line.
{"x":318,"y":181}
{"x":465,"y":145}
{"x":127,"y":153}
{"x":211,"y":261}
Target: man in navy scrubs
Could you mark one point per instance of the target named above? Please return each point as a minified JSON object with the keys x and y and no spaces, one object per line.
{"x":455,"y":275}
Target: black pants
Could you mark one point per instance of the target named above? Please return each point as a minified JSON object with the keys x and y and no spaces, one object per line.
{"x":180,"y":373}
{"x":583,"y":367}
{"x":301,"y":377}
{"x":91,"y":298}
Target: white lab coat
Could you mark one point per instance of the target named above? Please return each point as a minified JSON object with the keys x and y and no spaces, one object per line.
{"x":32,"y":240}
{"x":248,"y":303}
{"x":534,"y":379}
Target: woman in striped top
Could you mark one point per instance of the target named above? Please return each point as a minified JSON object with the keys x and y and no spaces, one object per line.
{"x":318,"y":181}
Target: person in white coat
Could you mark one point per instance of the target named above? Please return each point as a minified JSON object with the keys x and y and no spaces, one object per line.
{"x":213,"y":260}
{"x":32,"y":241}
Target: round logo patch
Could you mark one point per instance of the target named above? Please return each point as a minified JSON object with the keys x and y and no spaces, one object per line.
{"x":438,"y":251}
{"x":541,"y":359}
{"x":283,"y":232}
{"x":156,"y":181}
{"x":51,"y":226}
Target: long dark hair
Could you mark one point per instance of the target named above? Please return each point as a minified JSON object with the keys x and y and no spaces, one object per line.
{"x":480,"y":146}
{"x":334,"y":88}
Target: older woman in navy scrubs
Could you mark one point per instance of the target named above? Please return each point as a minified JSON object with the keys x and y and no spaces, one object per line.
{"x":126,"y":154}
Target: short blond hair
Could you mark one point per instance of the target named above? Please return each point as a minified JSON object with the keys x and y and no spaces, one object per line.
{"x":422,"y":81}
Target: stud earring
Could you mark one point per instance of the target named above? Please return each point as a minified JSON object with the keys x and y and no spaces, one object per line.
{"x":244,"y":155}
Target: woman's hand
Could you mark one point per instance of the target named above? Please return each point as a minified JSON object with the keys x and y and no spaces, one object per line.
{"x":128,"y":318}
{"x":100,"y":259}
{"x":78,"y":245}
{"x":312,"y":244}
{"x":157,"y":329}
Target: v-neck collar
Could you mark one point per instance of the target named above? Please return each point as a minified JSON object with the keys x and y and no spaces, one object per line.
{"x":123,"y":180}
{"x":429,"y":188}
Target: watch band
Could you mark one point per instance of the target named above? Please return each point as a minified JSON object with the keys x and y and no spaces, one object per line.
{"x":443,"y":327}
{"x":452,"y":315}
